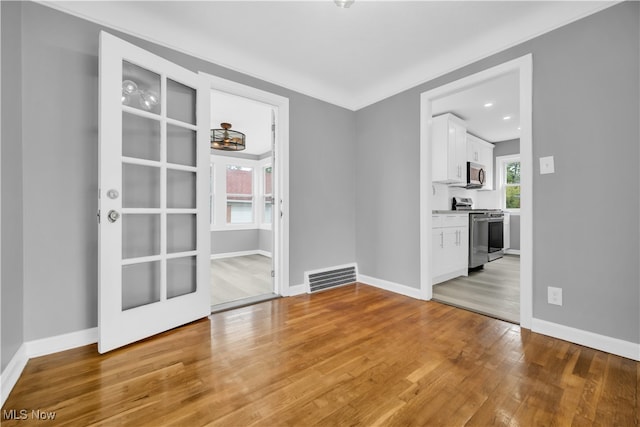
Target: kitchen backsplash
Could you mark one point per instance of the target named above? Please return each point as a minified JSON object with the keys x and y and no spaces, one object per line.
{"x":481,"y":199}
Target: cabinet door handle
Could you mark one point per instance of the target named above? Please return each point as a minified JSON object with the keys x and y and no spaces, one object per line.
{"x":442,"y":239}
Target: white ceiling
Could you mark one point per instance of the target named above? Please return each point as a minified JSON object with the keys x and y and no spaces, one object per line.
{"x":488,"y":122}
{"x":349,"y":57}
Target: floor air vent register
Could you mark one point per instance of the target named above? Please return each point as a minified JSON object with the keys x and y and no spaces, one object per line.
{"x":320,"y":280}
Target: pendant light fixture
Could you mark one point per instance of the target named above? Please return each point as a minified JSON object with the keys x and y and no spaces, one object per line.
{"x":227,"y":139}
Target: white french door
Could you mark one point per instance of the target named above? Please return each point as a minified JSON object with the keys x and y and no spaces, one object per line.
{"x":154,"y":190}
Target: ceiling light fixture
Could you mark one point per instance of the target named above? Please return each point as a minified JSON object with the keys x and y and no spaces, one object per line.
{"x":344,"y":4}
{"x":506,"y":118}
{"x":488,"y":104}
{"x":227,"y":139}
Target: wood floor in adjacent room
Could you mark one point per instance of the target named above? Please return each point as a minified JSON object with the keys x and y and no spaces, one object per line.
{"x":240,"y":277}
{"x":355,"y":355}
{"x":493,"y":290}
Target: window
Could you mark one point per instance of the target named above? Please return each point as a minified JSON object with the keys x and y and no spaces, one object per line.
{"x":510,"y":182}
{"x":267,"y":216}
{"x":239,"y":195}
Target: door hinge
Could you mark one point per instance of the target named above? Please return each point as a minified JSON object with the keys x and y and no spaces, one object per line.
{"x":273,"y":273}
{"x":98,"y":215}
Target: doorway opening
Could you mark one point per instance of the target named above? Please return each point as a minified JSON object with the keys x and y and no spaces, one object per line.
{"x":247,"y":198}
{"x":436,"y":196}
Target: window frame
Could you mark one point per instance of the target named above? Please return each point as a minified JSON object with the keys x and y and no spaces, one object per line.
{"x":263,"y":224}
{"x":501,"y":165}
{"x":218,"y":191}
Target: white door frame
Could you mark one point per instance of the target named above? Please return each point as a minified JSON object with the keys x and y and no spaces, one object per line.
{"x":523,"y":66}
{"x":280,"y":105}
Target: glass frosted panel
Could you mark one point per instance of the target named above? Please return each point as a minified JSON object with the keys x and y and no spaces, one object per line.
{"x":141,"y":186}
{"x":181,"y":233}
{"x":140,"y":284}
{"x":140,"y":235}
{"x":140,"y":88}
{"x":140,"y":137}
{"x":181,"y":189}
{"x":181,"y":102}
{"x":181,"y":276}
{"x":181,"y":146}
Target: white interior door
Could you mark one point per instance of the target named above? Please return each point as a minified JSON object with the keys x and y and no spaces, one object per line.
{"x":154,"y":189}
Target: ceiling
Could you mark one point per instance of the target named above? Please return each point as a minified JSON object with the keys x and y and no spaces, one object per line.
{"x":349,"y":57}
{"x":490,"y":110}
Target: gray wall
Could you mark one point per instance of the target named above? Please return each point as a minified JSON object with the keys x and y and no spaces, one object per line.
{"x":12,"y":261}
{"x":265,"y":240}
{"x":223,"y":242}
{"x":585,"y":113}
{"x":60,"y":170}
{"x":506,"y":148}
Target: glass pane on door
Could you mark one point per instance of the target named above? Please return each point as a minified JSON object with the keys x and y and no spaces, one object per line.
{"x":140,"y":88}
{"x":181,"y":233}
{"x":140,"y":137}
{"x":181,"y":146}
{"x":181,"y":102}
{"x":140,"y":235}
{"x":181,"y":276}
{"x":141,"y":186}
{"x":181,"y":189}
{"x":140,"y":284}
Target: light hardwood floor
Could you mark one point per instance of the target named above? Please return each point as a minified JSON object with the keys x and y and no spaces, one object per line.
{"x":238,"y":278}
{"x":493,"y":290}
{"x":355,"y":355}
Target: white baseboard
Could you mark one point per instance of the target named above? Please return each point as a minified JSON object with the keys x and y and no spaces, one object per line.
{"x":589,"y":339}
{"x":391,"y":286}
{"x":512,"y":251}
{"x":12,"y":372}
{"x":240,"y":253}
{"x":451,"y":275}
{"x":42,"y":347}
{"x":296,"y":290}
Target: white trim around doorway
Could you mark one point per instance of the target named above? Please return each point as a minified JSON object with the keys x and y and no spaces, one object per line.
{"x":523,"y":66}
{"x":280,"y":106}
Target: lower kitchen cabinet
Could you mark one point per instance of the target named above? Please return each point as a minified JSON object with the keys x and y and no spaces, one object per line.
{"x":450,"y":246}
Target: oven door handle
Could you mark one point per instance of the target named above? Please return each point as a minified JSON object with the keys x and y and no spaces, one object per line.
{"x":488,"y":219}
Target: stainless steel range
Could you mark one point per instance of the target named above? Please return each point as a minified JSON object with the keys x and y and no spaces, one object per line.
{"x":486,"y":232}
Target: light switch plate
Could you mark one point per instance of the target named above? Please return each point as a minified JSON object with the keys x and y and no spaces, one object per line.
{"x":554,"y":295}
{"x":546,"y":165}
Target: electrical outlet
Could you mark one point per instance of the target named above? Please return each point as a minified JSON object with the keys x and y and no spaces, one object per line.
{"x":554,"y":295}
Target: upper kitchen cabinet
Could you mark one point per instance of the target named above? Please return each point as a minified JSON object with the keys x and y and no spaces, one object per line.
{"x":481,"y":152}
{"x":449,"y":149}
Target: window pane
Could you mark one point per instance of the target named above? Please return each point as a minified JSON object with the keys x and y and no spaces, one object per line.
{"x":513,"y":173}
{"x":239,"y":212}
{"x":239,"y":195}
{"x":268,"y":184}
{"x":239,"y":180}
{"x":268,"y":209}
{"x":513,"y":197}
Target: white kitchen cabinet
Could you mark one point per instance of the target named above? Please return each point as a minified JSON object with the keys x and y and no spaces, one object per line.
{"x":448,"y":149}
{"x":481,"y":152}
{"x":450,"y":246}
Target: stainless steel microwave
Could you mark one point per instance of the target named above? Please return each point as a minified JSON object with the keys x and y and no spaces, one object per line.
{"x":476,"y":175}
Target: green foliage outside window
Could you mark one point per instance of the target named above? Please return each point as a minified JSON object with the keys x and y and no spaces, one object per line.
{"x":512,"y":188}
{"x":513,"y":173}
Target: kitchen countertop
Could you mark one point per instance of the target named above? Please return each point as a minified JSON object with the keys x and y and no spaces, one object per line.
{"x":448,"y":212}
